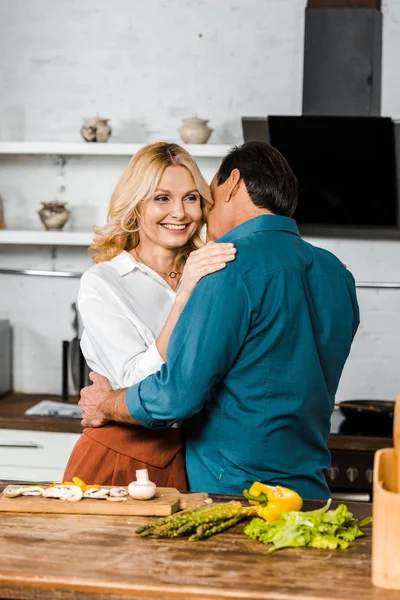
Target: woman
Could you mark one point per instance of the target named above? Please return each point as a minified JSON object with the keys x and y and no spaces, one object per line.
{"x":149,"y":257}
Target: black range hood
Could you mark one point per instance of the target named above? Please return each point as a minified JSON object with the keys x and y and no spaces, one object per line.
{"x":342,"y":152}
{"x":346,"y":167}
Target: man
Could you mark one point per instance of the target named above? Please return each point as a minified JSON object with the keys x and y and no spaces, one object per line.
{"x":255,"y":360}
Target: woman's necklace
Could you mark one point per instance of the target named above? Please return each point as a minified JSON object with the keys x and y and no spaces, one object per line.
{"x":172,"y":274}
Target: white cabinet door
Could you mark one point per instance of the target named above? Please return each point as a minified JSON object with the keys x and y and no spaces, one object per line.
{"x":34,"y":455}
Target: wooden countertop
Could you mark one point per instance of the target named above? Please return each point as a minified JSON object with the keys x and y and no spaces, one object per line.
{"x":13,"y":406}
{"x":97,"y":558}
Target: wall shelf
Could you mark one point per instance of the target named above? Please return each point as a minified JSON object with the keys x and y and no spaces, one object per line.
{"x":81,"y":238}
{"x":106,"y":149}
{"x":46,"y":238}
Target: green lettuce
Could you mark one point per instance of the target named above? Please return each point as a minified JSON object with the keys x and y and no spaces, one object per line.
{"x":322,"y":528}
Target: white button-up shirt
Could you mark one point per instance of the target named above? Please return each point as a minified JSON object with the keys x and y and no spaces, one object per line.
{"x":123,"y":305}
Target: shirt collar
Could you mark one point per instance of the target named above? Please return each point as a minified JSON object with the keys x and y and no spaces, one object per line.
{"x":124,"y":263}
{"x":262,"y":223}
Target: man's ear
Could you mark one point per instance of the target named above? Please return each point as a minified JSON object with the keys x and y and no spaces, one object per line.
{"x":233,"y":184}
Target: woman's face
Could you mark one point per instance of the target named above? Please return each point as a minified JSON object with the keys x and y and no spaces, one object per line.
{"x":170,"y":218}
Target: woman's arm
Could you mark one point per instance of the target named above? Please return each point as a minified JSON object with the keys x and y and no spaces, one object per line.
{"x":209,"y":259}
{"x":112,"y":343}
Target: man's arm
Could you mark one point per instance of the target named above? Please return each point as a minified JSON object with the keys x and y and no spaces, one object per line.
{"x":205,"y":343}
{"x":100,"y":404}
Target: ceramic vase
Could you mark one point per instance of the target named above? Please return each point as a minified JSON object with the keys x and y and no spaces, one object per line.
{"x":95,"y":129}
{"x":195,"y":131}
{"x":54,"y":215}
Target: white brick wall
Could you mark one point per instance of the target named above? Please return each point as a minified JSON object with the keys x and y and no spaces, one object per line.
{"x":146,"y":65}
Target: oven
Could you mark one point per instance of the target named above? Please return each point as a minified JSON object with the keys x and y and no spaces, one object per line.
{"x":350,"y":475}
{"x":352,"y":445}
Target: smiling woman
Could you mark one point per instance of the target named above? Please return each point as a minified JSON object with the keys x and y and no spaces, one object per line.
{"x":149,"y":258}
{"x":169,"y":221}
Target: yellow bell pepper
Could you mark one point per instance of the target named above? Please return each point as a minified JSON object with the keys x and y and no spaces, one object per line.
{"x":84,"y":487}
{"x":271,"y":501}
{"x":77,"y":481}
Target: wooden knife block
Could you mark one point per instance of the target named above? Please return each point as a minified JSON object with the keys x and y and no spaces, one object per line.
{"x":386,"y":522}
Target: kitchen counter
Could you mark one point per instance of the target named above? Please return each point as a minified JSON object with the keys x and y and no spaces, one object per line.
{"x":97,"y":558}
{"x":13,"y":406}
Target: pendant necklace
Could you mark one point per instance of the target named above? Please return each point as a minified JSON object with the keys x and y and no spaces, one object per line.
{"x":172,"y":274}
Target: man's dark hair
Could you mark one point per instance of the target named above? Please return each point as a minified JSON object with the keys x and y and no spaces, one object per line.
{"x":269,"y":180}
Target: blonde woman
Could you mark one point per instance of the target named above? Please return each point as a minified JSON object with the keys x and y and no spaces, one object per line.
{"x":149,"y":257}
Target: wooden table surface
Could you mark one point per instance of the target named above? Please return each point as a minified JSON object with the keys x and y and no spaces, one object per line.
{"x":69,"y":557}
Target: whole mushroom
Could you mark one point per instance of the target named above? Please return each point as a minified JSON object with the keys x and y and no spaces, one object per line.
{"x":142,"y":488}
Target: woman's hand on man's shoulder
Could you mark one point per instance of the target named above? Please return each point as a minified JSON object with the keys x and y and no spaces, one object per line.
{"x":209,"y":259}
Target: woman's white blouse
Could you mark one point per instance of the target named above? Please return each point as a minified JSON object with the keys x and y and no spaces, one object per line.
{"x":123,"y":305}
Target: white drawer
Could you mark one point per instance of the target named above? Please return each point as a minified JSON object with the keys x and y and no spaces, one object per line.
{"x":34,"y":455}
{"x":34,"y":474}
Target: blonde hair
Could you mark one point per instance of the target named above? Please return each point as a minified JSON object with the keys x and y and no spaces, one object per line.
{"x":137,"y":184}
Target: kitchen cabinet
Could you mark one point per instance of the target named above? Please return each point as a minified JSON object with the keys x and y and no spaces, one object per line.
{"x":34,"y":448}
{"x":34,"y":455}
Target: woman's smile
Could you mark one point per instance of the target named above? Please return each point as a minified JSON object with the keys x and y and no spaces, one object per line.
{"x":176,"y":229}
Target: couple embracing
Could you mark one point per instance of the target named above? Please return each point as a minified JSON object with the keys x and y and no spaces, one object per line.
{"x":215,"y":364}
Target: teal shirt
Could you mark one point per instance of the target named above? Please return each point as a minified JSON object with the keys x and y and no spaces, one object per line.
{"x":254,"y":363}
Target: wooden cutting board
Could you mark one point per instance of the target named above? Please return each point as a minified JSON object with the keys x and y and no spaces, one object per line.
{"x":165,"y":502}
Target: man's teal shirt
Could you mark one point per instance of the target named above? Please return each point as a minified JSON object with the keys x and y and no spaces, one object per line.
{"x":254,"y":363}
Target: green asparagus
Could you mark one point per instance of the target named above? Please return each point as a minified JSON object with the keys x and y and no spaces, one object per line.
{"x":203,"y":532}
{"x":146,"y":530}
{"x":207,"y":530}
{"x":202,"y":521}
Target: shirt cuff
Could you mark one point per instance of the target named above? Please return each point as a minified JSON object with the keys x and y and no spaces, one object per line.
{"x":136,"y":410}
{"x":151,"y":361}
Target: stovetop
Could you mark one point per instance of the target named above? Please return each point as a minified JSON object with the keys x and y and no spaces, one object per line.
{"x":359,"y":434}
{"x":359,"y":427}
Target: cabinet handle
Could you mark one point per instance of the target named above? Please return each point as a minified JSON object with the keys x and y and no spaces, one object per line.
{"x":12,"y":444}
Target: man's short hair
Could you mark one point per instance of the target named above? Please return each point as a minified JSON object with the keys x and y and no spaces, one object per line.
{"x":269,"y":180}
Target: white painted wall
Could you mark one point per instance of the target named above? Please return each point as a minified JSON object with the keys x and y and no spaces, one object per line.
{"x":146,"y":65}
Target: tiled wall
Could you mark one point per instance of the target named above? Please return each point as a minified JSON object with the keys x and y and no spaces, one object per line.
{"x":146,"y":66}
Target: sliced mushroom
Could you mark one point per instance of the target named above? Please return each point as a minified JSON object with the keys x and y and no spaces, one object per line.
{"x":13,"y":492}
{"x":34,"y":490}
{"x":100,"y":494}
{"x":118,"y":492}
{"x":116,"y":498}
{"x":72,"y":493}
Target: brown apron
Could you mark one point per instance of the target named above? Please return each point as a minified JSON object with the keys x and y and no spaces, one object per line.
{"x":110,"y":455}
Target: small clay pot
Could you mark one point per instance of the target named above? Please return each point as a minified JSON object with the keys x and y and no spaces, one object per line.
{"x":95,"y":129}
{"x":195,"y":131}
{"x":54,"y":215}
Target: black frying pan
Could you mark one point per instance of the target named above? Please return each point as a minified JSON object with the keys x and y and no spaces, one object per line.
{"x":380,"y":410}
